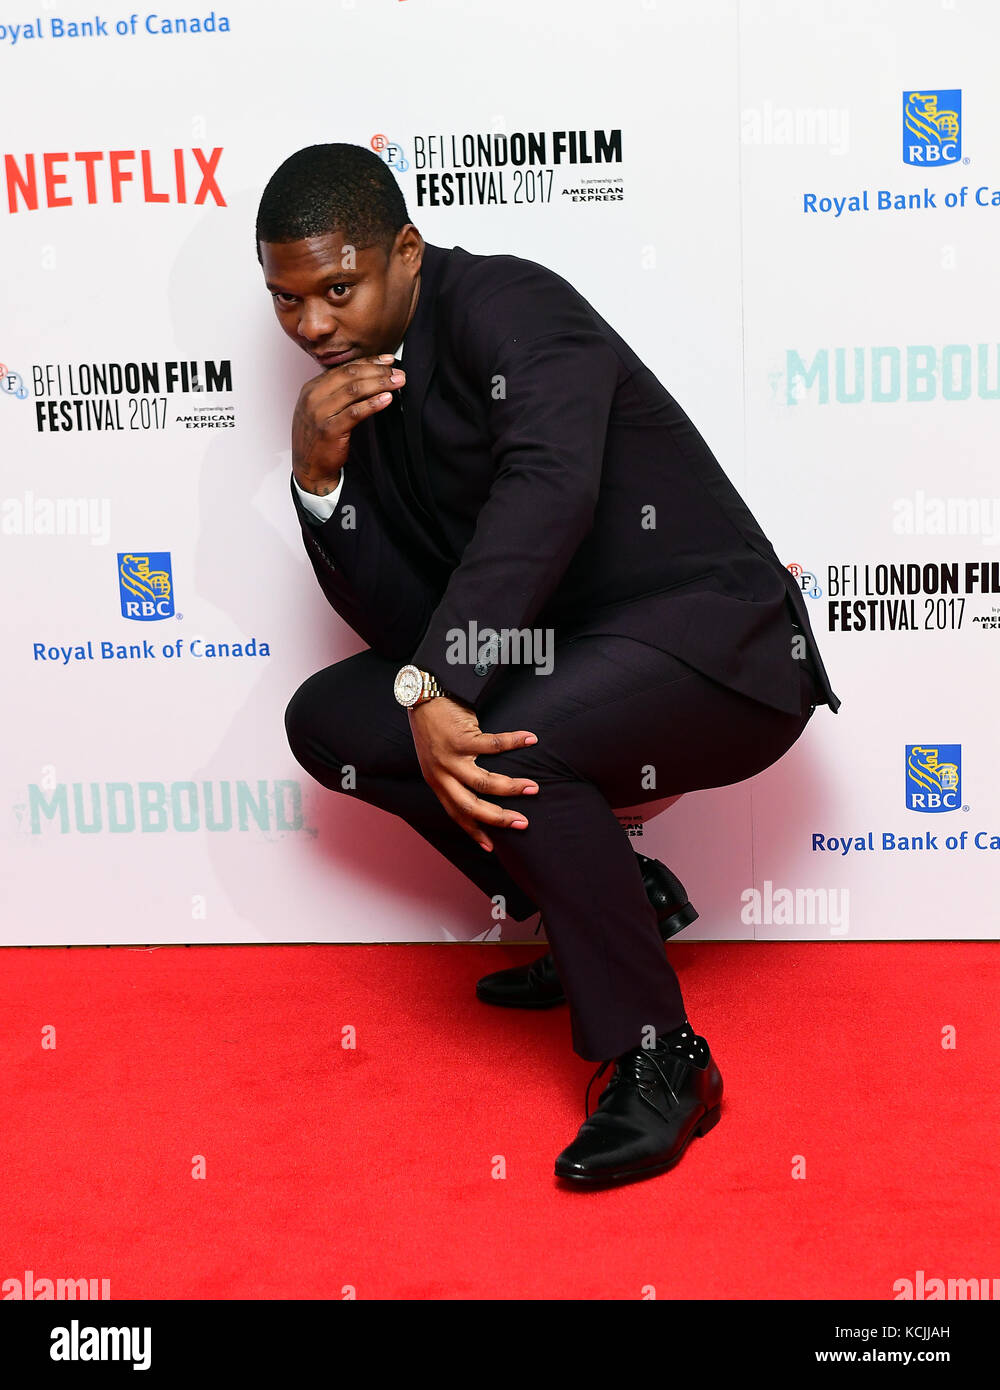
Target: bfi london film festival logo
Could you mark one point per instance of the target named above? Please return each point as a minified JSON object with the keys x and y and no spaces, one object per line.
{"x":932,"y":127}
{"x":506,"y":167}
{"x":146,"y":586}
{"x":807,"y":581}
{"x":12,"y":384}
{"x":391,"y":152}
{"x":933,"y":777}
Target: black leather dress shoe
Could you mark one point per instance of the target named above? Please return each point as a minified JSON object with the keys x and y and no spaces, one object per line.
{"x":537,"y":986}
{"x":657,"y":1101}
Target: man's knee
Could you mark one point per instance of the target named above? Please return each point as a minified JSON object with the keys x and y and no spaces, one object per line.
{"x":339,"y":720}
{"x":536,"y":760}
{"x":302,"y":722}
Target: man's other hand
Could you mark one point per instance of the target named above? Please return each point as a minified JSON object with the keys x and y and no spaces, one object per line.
{"x":447,"y":739}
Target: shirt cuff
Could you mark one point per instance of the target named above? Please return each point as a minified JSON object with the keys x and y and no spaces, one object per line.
{"x":322,"y":508}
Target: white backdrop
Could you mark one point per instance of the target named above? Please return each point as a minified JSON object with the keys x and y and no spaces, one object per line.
{"x":152,"y":797}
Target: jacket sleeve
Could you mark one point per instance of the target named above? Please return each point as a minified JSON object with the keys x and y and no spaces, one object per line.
{"x":363,"y":573}
{"x":547,"y":377}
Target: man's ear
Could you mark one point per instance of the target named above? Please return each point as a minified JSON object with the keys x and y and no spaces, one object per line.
{"x":409,"y":246}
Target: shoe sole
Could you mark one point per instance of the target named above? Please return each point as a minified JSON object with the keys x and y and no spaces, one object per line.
{"x":678,"y":920}
{"x":708,"y":1121}
{"x":670,"y":926}
{"x":521,"y":1004}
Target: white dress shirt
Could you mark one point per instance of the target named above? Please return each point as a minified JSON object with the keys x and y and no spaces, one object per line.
{"x":322,"y":508}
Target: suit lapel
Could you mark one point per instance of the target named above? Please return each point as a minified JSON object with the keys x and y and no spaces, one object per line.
{"x":418,"y":521}
{"x":420,"y":361}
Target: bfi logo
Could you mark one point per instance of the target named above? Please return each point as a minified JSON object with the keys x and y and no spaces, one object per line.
{"x":146,"y":586}
{"x":807,"y":581}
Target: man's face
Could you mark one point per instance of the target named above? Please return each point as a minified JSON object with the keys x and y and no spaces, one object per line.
{"x":339,"y":302}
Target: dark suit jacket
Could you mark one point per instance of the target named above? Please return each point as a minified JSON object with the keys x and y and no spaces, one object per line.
{"x":538,"y":443}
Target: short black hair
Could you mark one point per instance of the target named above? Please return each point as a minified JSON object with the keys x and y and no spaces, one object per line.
{"x":326,"y":188}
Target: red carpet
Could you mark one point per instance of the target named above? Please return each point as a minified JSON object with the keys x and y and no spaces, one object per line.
{"x":372,"y":1168}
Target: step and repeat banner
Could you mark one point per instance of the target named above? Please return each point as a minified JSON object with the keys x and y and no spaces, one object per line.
{"x":790,"y":210}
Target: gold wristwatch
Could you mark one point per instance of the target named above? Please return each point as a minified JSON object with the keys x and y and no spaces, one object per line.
{"x":413,"y":686}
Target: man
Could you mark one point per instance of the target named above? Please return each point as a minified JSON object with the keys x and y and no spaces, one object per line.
{"x":514,"y":476}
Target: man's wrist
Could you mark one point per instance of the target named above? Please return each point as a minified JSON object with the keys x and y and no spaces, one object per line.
{"x":319,"y":487}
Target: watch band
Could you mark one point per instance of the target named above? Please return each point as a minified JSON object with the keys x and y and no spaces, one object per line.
{"x":429,"y":688}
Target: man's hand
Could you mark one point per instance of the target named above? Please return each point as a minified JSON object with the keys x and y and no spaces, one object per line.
{"x":447,"y":739}
{"x":328,"y":408}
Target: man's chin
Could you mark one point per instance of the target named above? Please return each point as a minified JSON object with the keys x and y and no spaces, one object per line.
{"x":329,"y":366}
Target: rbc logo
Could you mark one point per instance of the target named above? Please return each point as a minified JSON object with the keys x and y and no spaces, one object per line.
{"x":932,"y":127}
{"x":933,"y":777}
{"x":147,"y":586}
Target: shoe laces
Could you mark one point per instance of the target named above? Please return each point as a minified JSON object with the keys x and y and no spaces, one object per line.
{"x":641,"y":1068}
{"x":536,"y":970}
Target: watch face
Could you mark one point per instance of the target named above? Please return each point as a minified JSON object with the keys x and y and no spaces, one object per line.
{"x":408,"y":685}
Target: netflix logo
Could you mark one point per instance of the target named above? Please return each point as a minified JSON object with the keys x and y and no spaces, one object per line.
{"x":62,"y":179}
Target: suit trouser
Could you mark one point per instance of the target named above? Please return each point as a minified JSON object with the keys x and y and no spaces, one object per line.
{"x":612,"y":715}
